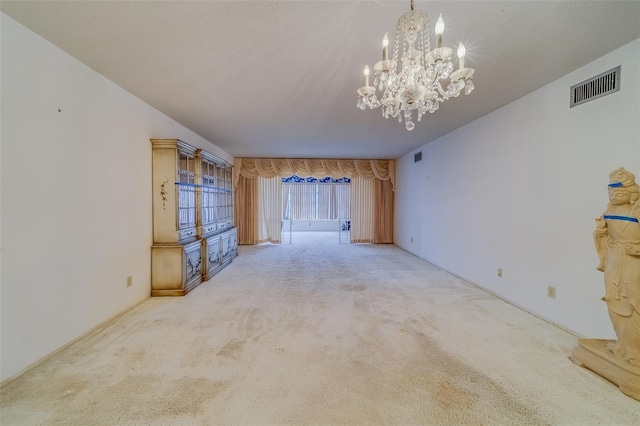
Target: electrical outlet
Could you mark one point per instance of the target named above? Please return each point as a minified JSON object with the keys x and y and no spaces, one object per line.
{"x":500,"y":272}
{"x":551,"y":292}
{"x":129,"y":281}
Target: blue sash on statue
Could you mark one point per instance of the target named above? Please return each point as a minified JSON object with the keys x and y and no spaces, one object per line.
{"x":627,"y":218}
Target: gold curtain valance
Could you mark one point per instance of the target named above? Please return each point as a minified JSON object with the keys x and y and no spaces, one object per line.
{"x":251,"y":168}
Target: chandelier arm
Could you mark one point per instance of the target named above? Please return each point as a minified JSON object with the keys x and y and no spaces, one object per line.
{"x":373,"y":103}
{"x":443,"y":93}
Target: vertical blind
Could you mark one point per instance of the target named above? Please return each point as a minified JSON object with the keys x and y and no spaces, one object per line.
{"x":316,"y":201}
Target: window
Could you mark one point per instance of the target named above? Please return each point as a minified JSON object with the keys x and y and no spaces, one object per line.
{"x":316,"y":199}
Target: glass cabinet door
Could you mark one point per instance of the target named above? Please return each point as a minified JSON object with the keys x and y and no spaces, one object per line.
{"x":229,"y":194}
{"x":208,"y":192}
{"x":186,"y":191}
{"x":214,"y":193}
{"x":221,"y":193}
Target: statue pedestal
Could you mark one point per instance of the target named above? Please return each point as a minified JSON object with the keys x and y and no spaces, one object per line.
{"x":593,"y":355}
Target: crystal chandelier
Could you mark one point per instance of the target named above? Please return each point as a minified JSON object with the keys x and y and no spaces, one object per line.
{"x":426,"y":78}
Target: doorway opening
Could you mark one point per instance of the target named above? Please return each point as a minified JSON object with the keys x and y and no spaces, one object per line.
{"x":316,"y":209}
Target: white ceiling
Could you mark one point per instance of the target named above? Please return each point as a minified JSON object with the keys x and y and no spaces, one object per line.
{"x":279,"y":78}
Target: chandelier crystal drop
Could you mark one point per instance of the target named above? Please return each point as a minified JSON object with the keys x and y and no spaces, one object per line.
{"x":427,"y":77}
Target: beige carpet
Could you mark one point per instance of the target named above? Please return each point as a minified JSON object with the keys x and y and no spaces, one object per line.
{"x":315,"y":334}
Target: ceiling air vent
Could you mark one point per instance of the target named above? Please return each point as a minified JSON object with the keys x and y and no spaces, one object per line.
{"x":601,"y":85}
{"x":417,"y":157}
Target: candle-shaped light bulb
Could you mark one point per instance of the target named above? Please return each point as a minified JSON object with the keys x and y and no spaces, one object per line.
{"x":439,"y":31}
{"x":366,"y":75}
{"x":461,"y":52}
{"x":385,"y":47}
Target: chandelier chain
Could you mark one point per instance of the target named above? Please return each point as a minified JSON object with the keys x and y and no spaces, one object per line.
{"x":395,"y":46}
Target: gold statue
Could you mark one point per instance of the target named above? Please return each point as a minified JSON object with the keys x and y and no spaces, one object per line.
{"x":617,"y":240}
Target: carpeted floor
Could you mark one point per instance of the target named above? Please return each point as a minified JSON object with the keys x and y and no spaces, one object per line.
{"x":317,"y":333}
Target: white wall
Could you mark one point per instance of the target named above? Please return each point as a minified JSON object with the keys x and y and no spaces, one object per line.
{"x":76,"y":196}
{"x":519,"y":189}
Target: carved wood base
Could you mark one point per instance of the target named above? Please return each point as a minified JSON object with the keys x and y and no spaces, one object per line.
{"x":594,"y":355}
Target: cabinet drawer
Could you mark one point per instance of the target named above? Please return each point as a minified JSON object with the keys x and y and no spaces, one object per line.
{"x":207,"y":229}
{"x":186,"y":234}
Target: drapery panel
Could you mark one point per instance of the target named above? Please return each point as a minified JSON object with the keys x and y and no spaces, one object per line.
{"x":383,"y":216}
{"x":270,"y":209}
{"x":246,"y":211}
{"x":251,"y":168}
{"x":362,"y":210}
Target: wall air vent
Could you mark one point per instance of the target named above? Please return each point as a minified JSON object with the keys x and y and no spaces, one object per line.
{"x":601,"y":85}
{"x":417,"y":157}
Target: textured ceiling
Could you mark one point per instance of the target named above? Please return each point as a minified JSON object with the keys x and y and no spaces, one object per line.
{"x":279,"y":78}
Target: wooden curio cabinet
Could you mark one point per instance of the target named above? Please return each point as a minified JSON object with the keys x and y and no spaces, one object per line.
{"x":215,"y":213}
{"x":192,"y":217}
